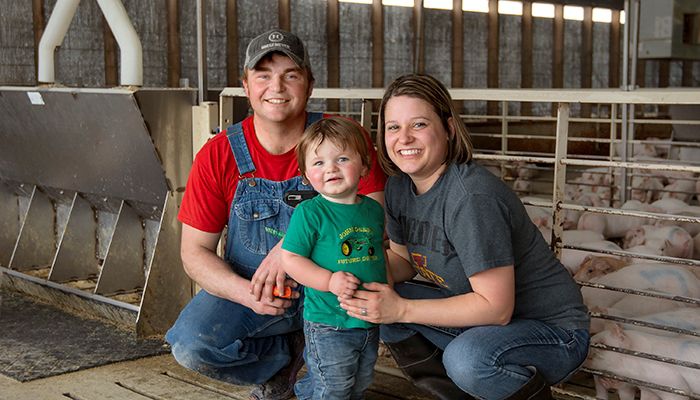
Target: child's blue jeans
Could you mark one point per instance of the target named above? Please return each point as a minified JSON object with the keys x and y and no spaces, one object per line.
{"x":340,"y":362}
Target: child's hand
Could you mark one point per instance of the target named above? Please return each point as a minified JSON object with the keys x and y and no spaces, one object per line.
{"x":343,"y":284}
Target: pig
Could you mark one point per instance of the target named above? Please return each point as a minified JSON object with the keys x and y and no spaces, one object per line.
{"x":654,"y":277}
{"x":595,"y":266}
{"x":674,"y":241}
{"x":680,"y":189}
{"x":539,"y":216}
{"x":670,"y":205}
{"x":646,"y":188}
{"x":522,"y":186}
{"x":676,"y":347}
{"x":611,"y":226}
{"x":573,"y":259}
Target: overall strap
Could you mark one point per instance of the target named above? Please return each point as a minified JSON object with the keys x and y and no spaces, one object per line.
{"x":236,"y":140}
{"x":239,"y":147}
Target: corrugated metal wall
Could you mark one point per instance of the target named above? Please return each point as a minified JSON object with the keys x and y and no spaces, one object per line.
{"x":80,"y":60}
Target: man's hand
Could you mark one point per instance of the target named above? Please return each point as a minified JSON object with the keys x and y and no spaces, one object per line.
{"x":343,"y":284}
{"x":268,"y":275}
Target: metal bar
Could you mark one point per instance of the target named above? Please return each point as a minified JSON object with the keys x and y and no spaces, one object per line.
{"x":123,"y":269}
{"x":75,"y":257}
{"x":599,"y":96}
{"x":681,"y":299}
{"x":68,"y":289}
{"x":559,"y":189}
{"x":645,"y":324}
{"x":168,"y":288}
{"x":9,"y":223}
{"x":35,"y":243}
{"x":366,"y":115}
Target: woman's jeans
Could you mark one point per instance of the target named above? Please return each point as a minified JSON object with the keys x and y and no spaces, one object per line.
{"x":490,"y":362}
{"x":229,"y":342}
{"x":340,"y":362}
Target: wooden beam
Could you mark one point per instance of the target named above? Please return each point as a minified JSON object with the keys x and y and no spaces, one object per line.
{"x":526,"y":73}
{"x":284,"y":16}
{"x":232,"y":68}
{"x":377,"y":43}
{"x":558,"y":50}
{"x":492,"y":58}
{"x":587,"y":56}
{"x":418,"y":38}
{"x":614,"y":51}
{"x":110,"y":54}
{"x":687,"y":76}
{"x":333,"y":40}
{"x":38,"y":24}
{"x":174,"y":65}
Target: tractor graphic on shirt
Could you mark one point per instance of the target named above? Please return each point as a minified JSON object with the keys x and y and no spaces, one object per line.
{"x":356,"y":244}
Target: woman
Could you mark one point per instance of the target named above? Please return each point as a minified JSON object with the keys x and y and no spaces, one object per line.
{"x":506,"y":313}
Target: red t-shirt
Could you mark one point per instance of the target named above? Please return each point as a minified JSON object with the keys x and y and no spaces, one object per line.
{"x":214,"y":177}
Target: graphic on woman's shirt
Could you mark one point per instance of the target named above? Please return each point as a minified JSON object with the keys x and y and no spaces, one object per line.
{"x":420,"y":264}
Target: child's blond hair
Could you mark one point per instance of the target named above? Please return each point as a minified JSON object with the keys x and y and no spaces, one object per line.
{"x":342,"y":132}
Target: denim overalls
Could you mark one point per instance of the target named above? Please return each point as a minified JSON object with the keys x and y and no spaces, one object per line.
{"x":225,"y":340}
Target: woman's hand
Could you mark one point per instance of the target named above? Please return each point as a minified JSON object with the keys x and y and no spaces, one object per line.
{"x":379,"y":304}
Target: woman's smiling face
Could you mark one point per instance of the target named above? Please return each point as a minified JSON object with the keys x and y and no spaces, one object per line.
{"x":415,"y":139}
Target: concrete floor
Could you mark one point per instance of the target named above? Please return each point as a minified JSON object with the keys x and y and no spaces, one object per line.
{"x":160,"y":378}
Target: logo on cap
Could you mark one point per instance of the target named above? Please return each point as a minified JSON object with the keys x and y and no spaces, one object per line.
{"x":275,"y":37}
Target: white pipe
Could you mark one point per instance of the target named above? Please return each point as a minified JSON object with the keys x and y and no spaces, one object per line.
{"x":55,"y":31}
{"x":131,"y":59}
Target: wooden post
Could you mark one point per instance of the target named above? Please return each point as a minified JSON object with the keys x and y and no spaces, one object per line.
{"x":558,"y":51}
{"x":110,"y":54}
{"x":492,"y":58}
{"x":587,"y":56}
{"x":614,"y":51}
{"x":38,"y":23}
{"x":377,"y":48}
{"x":333,"y":40}
{"x":526,"y":56}
{"x":418,"y":38}
{"x":232,"y":68}
{"x":457,"y":50}
{"x":174,"y":65}
{"x":284,"y":18}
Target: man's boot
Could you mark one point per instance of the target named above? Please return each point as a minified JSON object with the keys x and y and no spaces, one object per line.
{"x":421,"y":361}
{"x":281,"y":385}
{"x":535,"y":389}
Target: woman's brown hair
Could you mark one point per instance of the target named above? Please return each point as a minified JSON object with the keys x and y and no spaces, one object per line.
{"x":432,"y":91}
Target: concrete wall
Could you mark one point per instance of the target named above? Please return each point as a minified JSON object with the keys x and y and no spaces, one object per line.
{"x":80,"y":59}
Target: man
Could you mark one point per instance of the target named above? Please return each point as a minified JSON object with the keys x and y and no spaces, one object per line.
{"x":247,"y":178}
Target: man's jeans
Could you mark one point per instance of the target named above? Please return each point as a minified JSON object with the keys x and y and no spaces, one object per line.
{"x":229,"y":342}
{"x":340,"y":362}
{"x":489,"y":362}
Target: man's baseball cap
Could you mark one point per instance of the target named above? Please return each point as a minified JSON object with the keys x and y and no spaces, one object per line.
{"x":276,"y":40}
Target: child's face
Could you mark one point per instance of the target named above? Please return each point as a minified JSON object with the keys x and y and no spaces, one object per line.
{"x":334,"y":172}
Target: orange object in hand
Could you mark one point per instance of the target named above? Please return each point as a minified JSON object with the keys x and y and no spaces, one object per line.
{"x":286,"y":295}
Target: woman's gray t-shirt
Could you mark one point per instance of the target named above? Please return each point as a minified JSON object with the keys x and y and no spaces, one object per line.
{"x":470,"y":221}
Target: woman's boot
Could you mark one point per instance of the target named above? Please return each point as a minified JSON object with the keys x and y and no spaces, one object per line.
{"x":535,"y":389}
{"x":421,"y":361}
